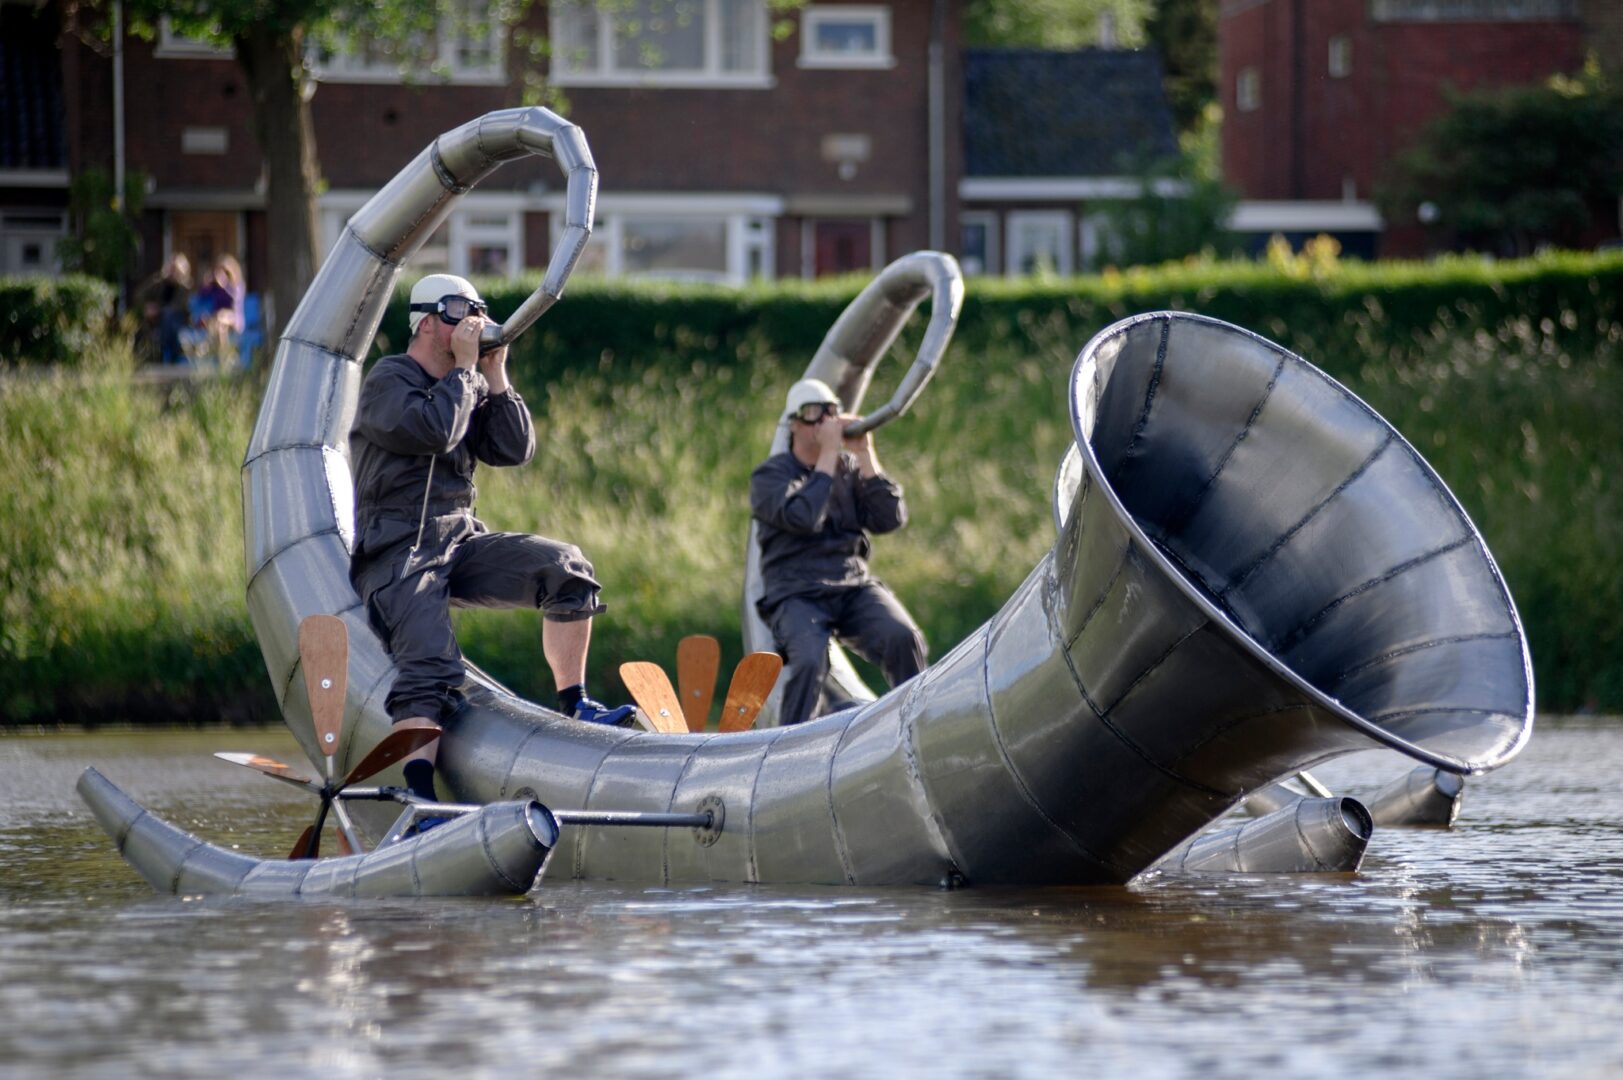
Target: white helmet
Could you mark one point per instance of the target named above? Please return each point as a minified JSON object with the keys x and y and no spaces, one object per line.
{"x":435,"y":287}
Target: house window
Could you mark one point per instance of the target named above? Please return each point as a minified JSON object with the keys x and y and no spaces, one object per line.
{"x":977,"y":247}
{"x":467,"y":47}
{"x":677,"y":245}
{"x":1039,"y":242}
{"x":1340,"y":56}
{"x":28,"y":240}
{"x":173,"y":45}
{"x":845,"y":37}
{"x":483,"y":236}
{"x":660,"y":43}
{"x":1248,"y":90}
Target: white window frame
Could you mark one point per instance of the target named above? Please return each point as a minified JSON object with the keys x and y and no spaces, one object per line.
{"x":989,"y":219}
{"x":173,"y":45}
{"x":1339,"y":63}
{"x":461,"y":232}
{"x":1058,"y":220}
{"x":20,"y":225}
{"x":342,"y":67}
{"x":750,"y":222}
{"x":710,"y":77}
{"x":1248,"y":89}
{"x":812,"y":16}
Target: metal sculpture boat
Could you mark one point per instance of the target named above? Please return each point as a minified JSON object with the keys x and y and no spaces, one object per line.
{"x":1251,"y":573}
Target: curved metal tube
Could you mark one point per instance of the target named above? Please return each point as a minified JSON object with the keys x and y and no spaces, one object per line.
{"x":846,"y":360}
{"x":1421,"y":796}
{"x":1255,"y":574}
{"x":297,"y":493}
{"x":498,"y":850}
{"x":1308,"y":836}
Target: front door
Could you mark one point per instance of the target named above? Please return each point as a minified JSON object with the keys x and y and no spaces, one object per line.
{"x":843,"y":247}
{"x":203,"y":236}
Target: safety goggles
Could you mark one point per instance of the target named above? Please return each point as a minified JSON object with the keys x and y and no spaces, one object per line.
{"x":453,"y":309}
{"x":814,"y":412}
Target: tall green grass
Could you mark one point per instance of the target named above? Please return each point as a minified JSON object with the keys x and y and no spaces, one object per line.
{"x":121,"y":553}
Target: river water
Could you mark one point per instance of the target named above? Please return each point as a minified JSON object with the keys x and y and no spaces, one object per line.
{"x":1492,"y":949}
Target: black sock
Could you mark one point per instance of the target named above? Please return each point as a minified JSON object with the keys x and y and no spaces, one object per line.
{"x":569,"y":697}
{"x":420,"y":779}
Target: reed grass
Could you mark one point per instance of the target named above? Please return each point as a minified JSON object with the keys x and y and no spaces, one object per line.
{"x":120,"y":524}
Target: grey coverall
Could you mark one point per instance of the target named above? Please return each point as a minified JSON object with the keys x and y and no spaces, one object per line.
{"x":813,"y":532}
{"x":418,"y":438}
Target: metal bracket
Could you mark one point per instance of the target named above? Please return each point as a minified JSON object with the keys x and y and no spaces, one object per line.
{"x":709,"y":834}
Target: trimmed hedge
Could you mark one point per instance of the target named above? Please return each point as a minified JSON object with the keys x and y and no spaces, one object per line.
{"x":652,"y":402}
{"x":1339,"y":314}
{"x":53,"y":320}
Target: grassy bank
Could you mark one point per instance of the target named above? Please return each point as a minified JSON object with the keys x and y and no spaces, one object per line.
{"x":121,"y":580}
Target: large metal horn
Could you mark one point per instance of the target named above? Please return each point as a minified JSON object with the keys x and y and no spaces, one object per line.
{"x":297,"y":493}
{"x":1254,"y":574}
{"x":846,"y":361}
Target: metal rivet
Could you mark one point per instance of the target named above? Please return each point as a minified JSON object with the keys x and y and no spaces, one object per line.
{"x":326,"y":684}
{"x":328,"y":737}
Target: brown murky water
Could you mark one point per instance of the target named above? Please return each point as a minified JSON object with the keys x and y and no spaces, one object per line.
{"x":1493,"y":949}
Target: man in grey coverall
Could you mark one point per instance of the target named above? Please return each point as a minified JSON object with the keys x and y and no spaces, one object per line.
{"x":423,"y":421}
{"x":815,"y":504}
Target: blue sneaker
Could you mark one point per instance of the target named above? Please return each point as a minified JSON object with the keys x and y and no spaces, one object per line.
{"x":425,"y":824}
{"x":589,"y":711}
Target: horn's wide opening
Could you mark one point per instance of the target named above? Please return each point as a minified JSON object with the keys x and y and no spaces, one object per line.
{"x":1282,"y":502}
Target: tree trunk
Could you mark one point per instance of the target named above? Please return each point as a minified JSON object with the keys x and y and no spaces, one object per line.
{"x":272,"y":60}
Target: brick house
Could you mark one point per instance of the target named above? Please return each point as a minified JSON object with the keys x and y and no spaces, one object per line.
{"x":1319,"y":96}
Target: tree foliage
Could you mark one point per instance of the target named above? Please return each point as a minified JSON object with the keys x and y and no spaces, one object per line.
{"x":1184,"y":32}
{"x":104,"y":240}
{"x":1182,"y":209}
{"x":1511,"y":170}
{"x":1052,"y":24}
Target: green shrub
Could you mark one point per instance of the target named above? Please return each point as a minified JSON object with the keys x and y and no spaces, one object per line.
{"x":47,"y":320}
{"x":121,"y":588}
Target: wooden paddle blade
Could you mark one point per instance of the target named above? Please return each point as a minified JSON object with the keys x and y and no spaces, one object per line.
{"x":270,"y":767}
{"x":306,"y":846}
{"x":698,"y":660}
{"x":403,"y":740}
{"x":753,"y":680}
{"x":651,"y":689}
{"x":324,"y":655}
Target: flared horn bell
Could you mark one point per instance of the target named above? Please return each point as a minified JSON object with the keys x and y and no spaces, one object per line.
{"x":1254,"y":573}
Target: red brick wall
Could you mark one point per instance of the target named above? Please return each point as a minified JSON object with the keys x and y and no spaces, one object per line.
{"x":1313,"y":131}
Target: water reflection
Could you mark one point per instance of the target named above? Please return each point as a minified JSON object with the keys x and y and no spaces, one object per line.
{"x":1492,"y":949}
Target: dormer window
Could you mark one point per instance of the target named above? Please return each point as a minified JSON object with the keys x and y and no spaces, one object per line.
{"x":845,"y":36}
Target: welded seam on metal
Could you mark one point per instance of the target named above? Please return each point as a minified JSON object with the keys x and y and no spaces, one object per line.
{"x":749,"y":817}
{"x":1289,"y":640}
{"x":910,"y":758}
{"x":1104,"y":594}
{"x":378,"y":274}
{"x":833,"y":815}
{"x":1284,"y":538}
{"x":670,"y":805}
{"x":443,"y":174}
{"x":411,"y":864}
{"x":1013,"y":769}
{"x":1157,"y":662}
{"x":1307,"y":842}
{"x":506,"y":790}
{"x":1070,"y":664}
{"x":490,"y":856}
{"x":174,"y":881}
{"x":269,"y":450}
{"x":289,"y":546}
{"x":1177,"y":520}
{"x":1149,"y":402}
{"x":591,"y":786}
{"x":361,"y":243}
{"x":1458,"y":639}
